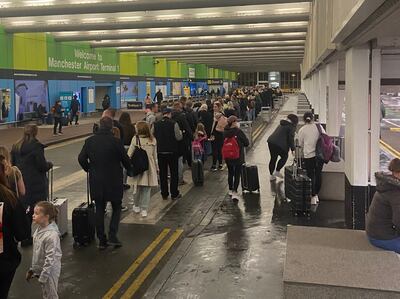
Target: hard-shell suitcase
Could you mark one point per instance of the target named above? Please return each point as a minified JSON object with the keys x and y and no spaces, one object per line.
{"x":197,"y":172}
{"x":250,"y":181}
{"x":62,"y":207}
{"x":83,"y":221}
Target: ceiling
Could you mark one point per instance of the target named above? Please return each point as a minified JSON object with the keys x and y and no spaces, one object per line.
{"x":237,"y":35}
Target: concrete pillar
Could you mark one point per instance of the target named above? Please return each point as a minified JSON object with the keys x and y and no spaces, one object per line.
{"x":316,"y":96}
{"x":322,"y":95}
{"x":333,"y":119}
{"x":362,"y":79}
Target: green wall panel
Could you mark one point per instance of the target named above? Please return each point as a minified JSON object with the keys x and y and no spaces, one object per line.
{"x":6,"y":50}
{"x":226,"y":75}
{"x":184,"y":70}
{"x":30,"y":51}
{"x":128,"y":63}
{"x":161,"y":68}
{"x":146,"y":66}
{"x":173,"y":69}
{"x":201,"y":71}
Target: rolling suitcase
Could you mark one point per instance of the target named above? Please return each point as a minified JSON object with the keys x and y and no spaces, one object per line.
{"x":197,"y":173}
{"x":250,"y":181}
{"x":83,"y":221}
{"x":62,"y":207}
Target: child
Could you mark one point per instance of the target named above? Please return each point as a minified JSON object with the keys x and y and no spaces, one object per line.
{"x":200,"y":136}
{"x":46,"y":256}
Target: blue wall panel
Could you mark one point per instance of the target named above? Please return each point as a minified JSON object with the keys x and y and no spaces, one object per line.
{"x":9,"y":84}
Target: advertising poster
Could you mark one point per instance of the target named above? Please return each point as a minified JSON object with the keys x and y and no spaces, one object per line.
{"x":192,"y":72}
{"x":5,"y":104}
{"x":91,"y":95}
{"x":176,"y":88}
{"x":148,"y":88}
{"x":29,"y":94}
{"x":186,"y":91}
{"x":129,"y":92}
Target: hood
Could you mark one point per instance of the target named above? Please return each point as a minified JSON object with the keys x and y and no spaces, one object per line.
{"x":28,"y":148}
{"x":386,"y":182}
{"x":51,"y":227}
{"x":230,"y":132}
{"x":285,"y":122}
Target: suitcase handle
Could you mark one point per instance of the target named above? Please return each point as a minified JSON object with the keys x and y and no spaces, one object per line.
{"x":88,"y":189}
{"x":50,"y":177}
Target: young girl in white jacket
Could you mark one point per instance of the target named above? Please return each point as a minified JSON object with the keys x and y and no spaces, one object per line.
{"x":46,"y":256}
{"x":147,"y":179}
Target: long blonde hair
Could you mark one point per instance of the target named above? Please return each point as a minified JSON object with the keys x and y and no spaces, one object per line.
{"x":5,"y":153}
{"x":143,"y":129}
{"x":30,"y":133}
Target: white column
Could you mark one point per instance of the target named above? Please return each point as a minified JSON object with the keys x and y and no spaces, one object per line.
{"x":333,"y":119}
{"x":316,"y":95}
{"x":322,"y":95}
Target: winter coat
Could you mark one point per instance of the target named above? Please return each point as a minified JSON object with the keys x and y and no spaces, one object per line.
{"x":283,"y":136}
{"x":102,"y":156}
{"x":242,"y":140}
{"x":149,"y":177}
{"x":33,"y":165}
{"x":75,"y":105}
{"x":128,"y":131}
{"x":184,"y":144}
{"x":207,"y":119}
{"x":230,"y":112}
{"x":46,"y":253}
{"x":383,"y":218}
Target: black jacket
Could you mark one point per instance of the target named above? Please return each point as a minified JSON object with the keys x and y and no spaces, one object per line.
{"x":75,"y":105}
{"x":164,"y":131}
{"x":229,"y":112}
{"x":180,"y":118}
{"x":102,"y":156}
{"x":158,"y":96}
{"x":242,"y":142}
{"x":33,"y":165}
{"x":192,"y":119}
{"x":283,"y":136}
{"x":207,"y":119}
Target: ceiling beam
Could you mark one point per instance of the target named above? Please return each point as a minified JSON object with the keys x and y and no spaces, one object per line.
{"x":244,"y":51}
{"x":234,"y":55}
{"x":127,"y":6}
{"x":162,"y":23}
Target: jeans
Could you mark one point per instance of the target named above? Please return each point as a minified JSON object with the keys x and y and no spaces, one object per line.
{"x":124,"y":171}
{"x":251,"y":114}
{"x":234,"y":173}
{"x":217,"y":148}
{"x":114,"y":222}
{"x":57,"y":122}
{"x":391,"y":245}
{"x":314,"y":169}
{"x":165,"y":161}
{"x":74,"y":114}
{"x":275,"y":151}
{"x":142,"y":198}
{"x":180,"y":169}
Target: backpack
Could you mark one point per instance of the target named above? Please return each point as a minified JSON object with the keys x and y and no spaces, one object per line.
{"x":230,"y":149}
{"x":325,"y":146}
{"x":139,"y":159}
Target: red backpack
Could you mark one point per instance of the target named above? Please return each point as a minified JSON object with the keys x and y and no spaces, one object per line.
{"x":230,"y":149}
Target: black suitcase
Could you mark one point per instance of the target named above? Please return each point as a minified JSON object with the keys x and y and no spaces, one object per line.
{"x":83,"y":221}
{"x":298,"y":188}
{"x":197,"y":173}
{"x":250,"y":181}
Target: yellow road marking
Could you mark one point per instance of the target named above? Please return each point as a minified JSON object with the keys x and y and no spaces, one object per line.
{"x":134,"y":287}
{"x":136,"y":264}
{"x":390,"y":149}
{"x":259,"y":132}
{"x":394,"y":129}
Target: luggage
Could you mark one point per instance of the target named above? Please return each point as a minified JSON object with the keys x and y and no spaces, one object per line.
{"x":83,"y":221}
{"x":62,"y":207}
{"x":250,"y":181}
{"x":65,"y":121}
{"x":197,"y":172}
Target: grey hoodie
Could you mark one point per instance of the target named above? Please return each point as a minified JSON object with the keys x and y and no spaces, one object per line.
{"x":383,"y":218}
{"x":46,"y":255}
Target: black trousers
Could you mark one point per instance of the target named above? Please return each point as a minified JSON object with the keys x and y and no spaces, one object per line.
{"x":275,"y":152}
{"x":234,"y":174}
{"x":7,"y":272}
{"x":314,"y":169}
{"x":216,"y":145}
{"x":114,"y":222}
{"x":170,"y":161}
{"x":57,"y":123}
{"x":74,"y":114}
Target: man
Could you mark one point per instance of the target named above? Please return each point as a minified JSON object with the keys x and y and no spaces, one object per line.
{"x":102,"y":156}
{"x":151,"y":116}
{"x":168,"y":135}
{"x":75,"y":107}
{"x":110,"y":112}
{"x":106,"y":103}
{"x":158,"y":96}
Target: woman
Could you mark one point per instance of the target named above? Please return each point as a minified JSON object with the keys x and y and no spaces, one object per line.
{"x":13,"y":174}
{"x":147,"y":179}
{"x":230,"y":109}
{"x":383,"y":218}
{"x":147,"y":101}
{"x":308,"y":138}
{"x":28,"y":155}
{"x":279,"y":143}
{"x":206,"y":118}
{"x":235,"y":166}
{"x":57,"y":114}
{"x":12,"y":217}
{"x":217,"y":137}
{"x":128,"y":131}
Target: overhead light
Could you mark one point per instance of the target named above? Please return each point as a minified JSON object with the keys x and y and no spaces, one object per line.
{"x":166,"y":17}
{"x":190,"y":28}
{"x":235,"y":35}
{"x":38,"y":2}
{"x":250,"y":12}
{"x":180,"y":38}
{"x":127,"y":19}
{"x":208,"y":37}
{"x":223,"y":27}
{"x":95,"y":32}
{"x":293,"y":75}
{"x":94,"y":20}
{"x":57,"y":21}
{"x":22,"y":23}
{"x":159,"y":29}
{"x":128,"y":31}
{"x":65,"y":33}
{"x":5,"y":4}
{"x":208,"y":14}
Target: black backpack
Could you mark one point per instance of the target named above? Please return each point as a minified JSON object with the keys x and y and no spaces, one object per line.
{"x":139,"y":159}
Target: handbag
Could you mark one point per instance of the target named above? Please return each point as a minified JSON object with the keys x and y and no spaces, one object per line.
{"x":139,"y":159}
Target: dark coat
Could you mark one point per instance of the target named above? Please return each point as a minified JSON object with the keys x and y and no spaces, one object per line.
{"x":184,"y":144}
{"x":230,"y":112}
{"x":207,"y":119}
{"x":164,"y":131}
{"x":283,"y":136}
{"x":102,"y":156}
{"x":242,"y":140}
{"x":33,"y":165}
{"x":383,"y":218}
{"x":191,"y":118}
{"x":75,"y":105}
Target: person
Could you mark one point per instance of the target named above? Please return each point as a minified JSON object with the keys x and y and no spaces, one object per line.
{"x":151,"y":116}
{"x":158,"y":96}
{"x":191,"y":116}
{"x":235,"y":166}
{"x":46,"y":255}
{"x":383,"y":217}
{"x":57,"y":114}
{"x":128,"y":132}
{"x":308,"y":137}
{"x":230,"y":109}
{"x":28,"y":155}
{"x":14,"y":175}
{"x":251,"y":112}
{"x":217,"y":138}
{"x":198,"y":144}
{"x":102,"y":156}
{"x":147,"y":99}
{"x":206,"y":118}
{"x":149,"y":178}
{"x":75,"y":108}
{"x":42,"y":112}
{"x":12,"y":217}
{"x":106,"y":103}
{"x":279,"y":143}
{"x":168,"y":135}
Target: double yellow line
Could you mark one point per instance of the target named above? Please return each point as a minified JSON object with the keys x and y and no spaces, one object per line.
{"x":258,"y":131}
{"x":389,"y":149}
{"x":136,"y":284}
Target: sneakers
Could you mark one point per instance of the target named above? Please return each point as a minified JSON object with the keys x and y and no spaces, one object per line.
{"x":278,"y":174}
{"x":272,"y":178}
{"x":126,"y":187}
{"x":136,"y":209}
{"x":60,"y":133}
{"x":314,"y":200}
{"x":144,"y":213}
{"x":102,"y":245}
{"x":220,"y":167}
{"x":235,"y":196}
{"x":230,"y":193}
{"x":177,"y":197}
{"x":124,"y":208}
{"x":115,"y":242}
{"x":213,"y":168}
